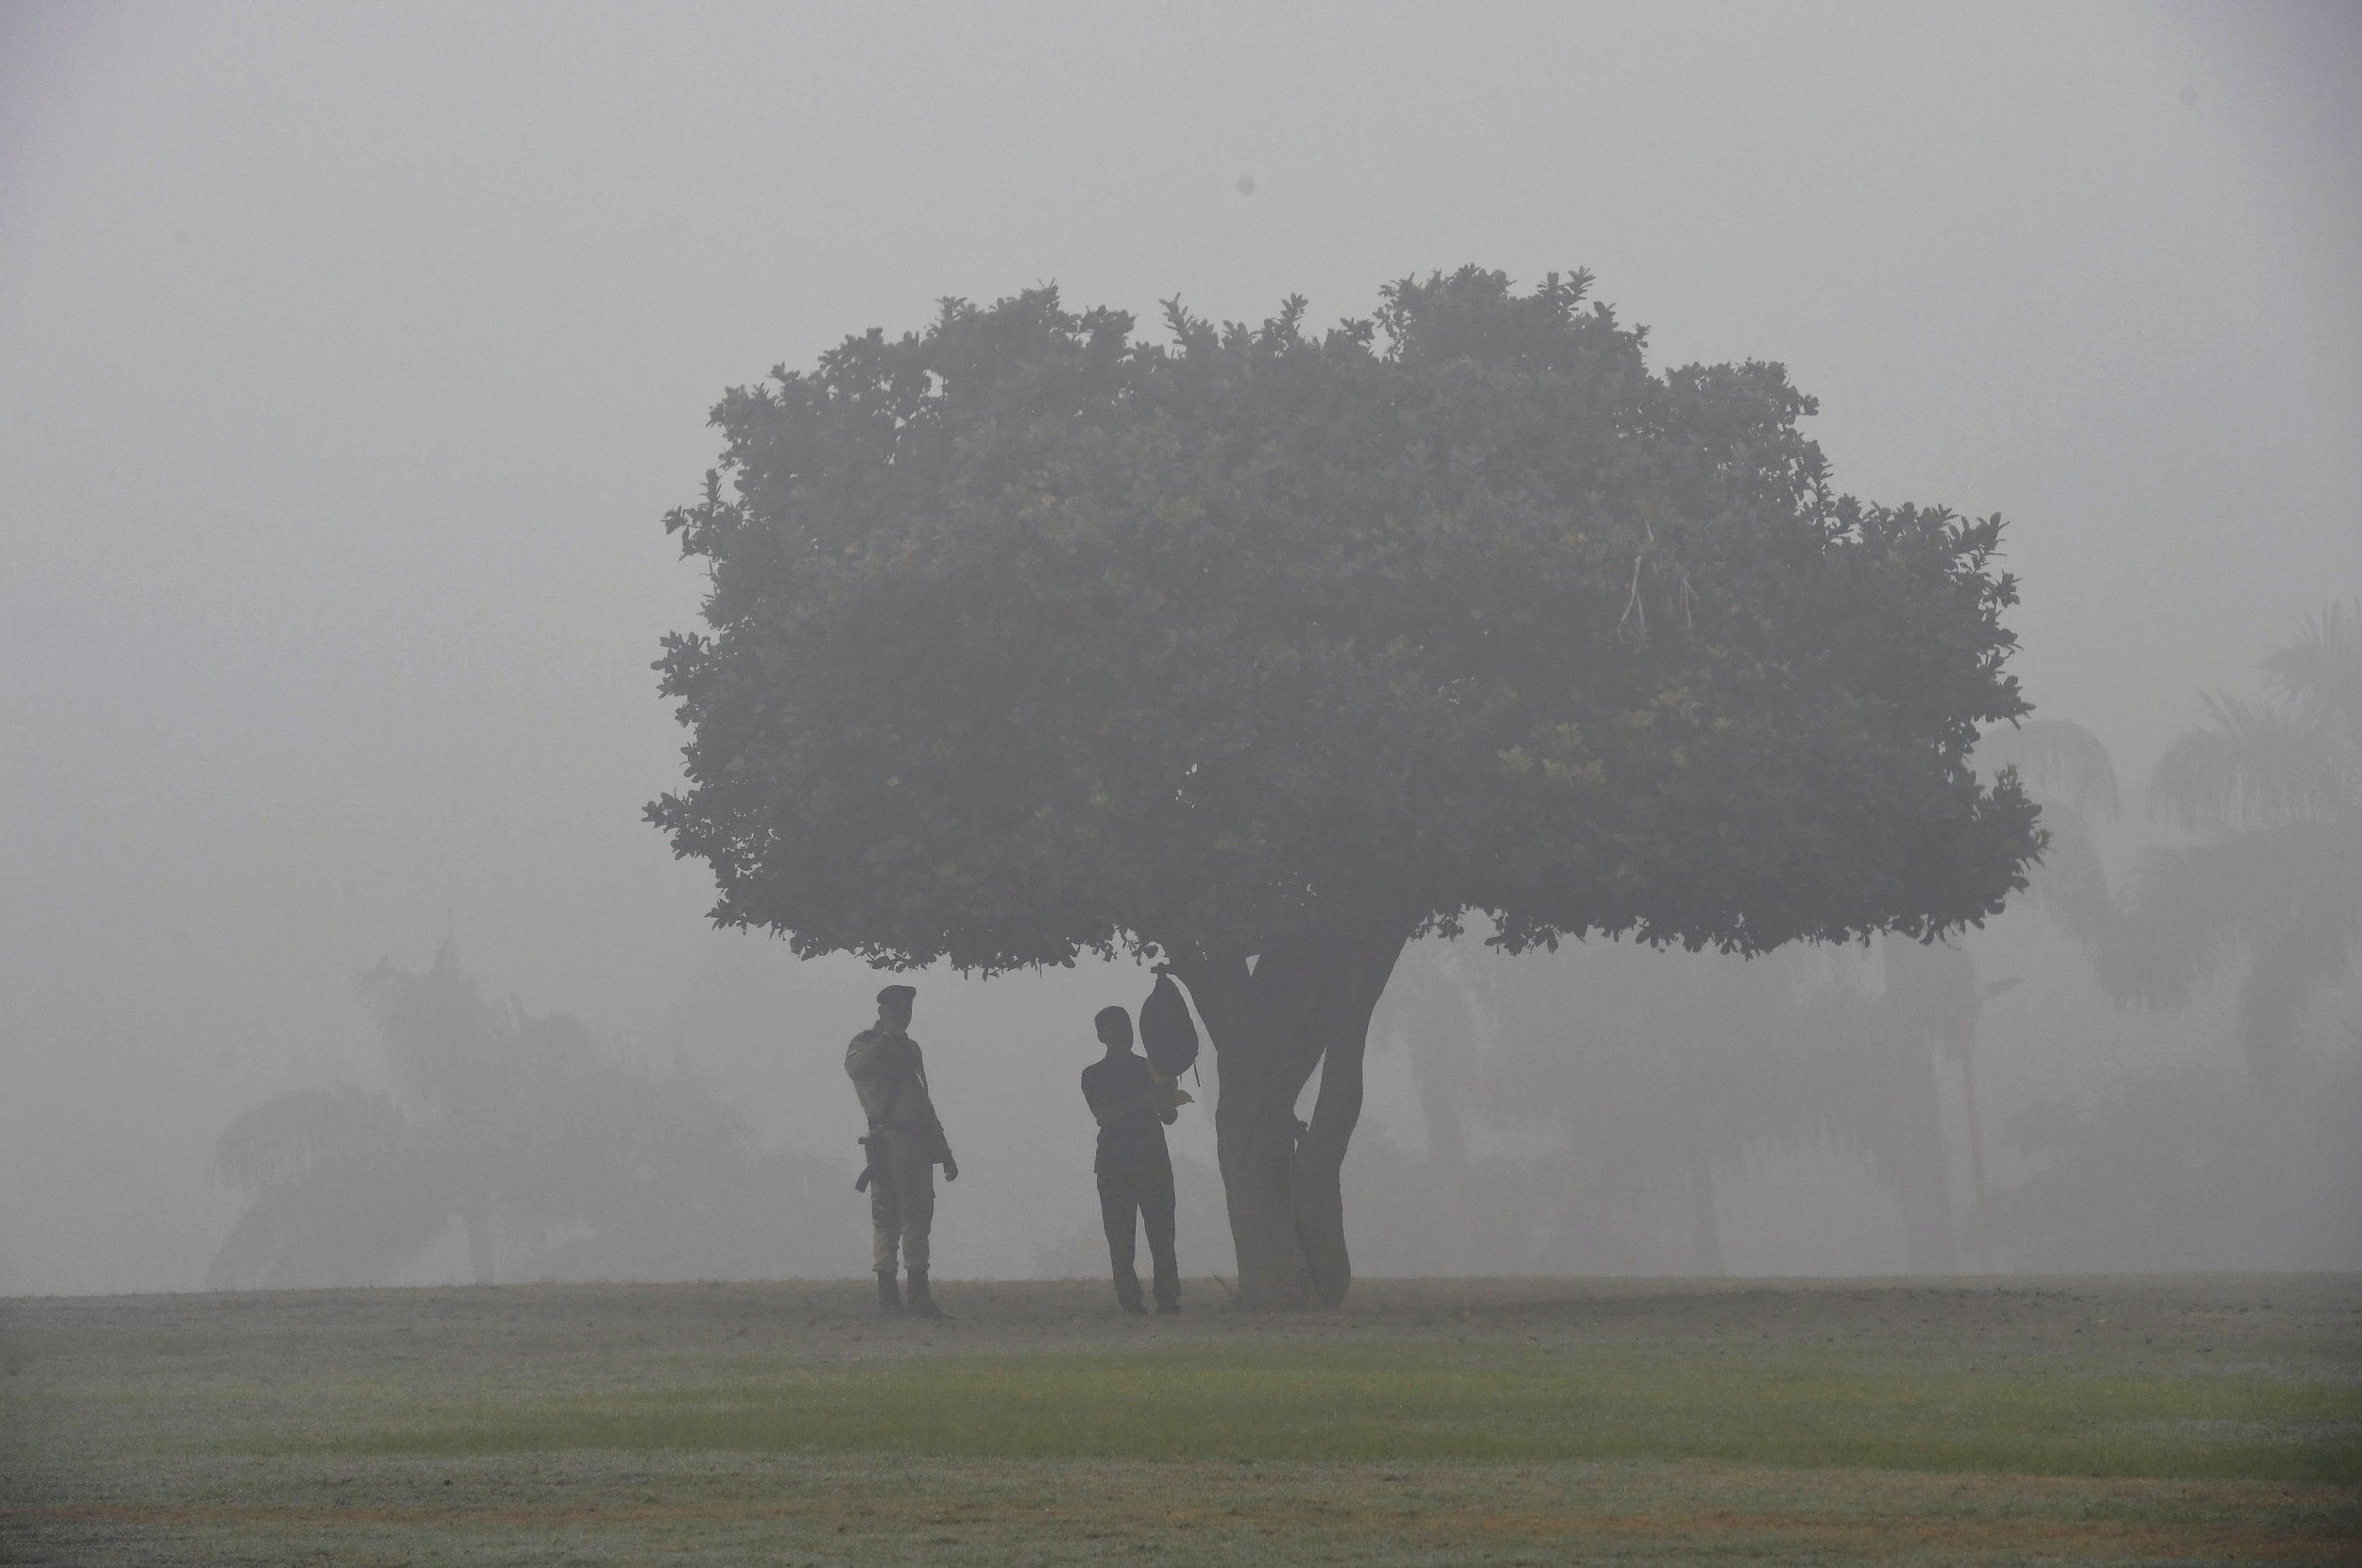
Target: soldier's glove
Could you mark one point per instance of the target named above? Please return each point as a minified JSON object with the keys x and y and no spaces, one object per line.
{"x":950,"y":1168}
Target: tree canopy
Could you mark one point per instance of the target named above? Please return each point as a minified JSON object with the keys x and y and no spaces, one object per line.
{"x":1028,"y":638}
{"x":1267,"y":650}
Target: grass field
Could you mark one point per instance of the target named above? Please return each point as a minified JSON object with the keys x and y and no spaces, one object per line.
{"x":2126,"y":1421}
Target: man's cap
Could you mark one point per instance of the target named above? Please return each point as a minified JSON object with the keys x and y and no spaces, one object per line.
{"x":897,"y":994}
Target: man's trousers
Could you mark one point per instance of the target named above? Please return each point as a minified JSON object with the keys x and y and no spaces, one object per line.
{"x":902,"y":1198}
{"x":1129,"y":1199}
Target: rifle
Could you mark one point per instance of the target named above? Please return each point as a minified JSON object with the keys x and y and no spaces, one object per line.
{"x":873,"y":1149}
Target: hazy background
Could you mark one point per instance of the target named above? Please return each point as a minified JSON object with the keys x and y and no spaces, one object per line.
{"x":349,"y":355}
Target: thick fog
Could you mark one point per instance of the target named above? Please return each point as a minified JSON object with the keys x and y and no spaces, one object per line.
{"x":350,"y":357}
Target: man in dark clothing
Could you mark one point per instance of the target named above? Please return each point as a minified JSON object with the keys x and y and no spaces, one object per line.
{"x":1133,"y":1107}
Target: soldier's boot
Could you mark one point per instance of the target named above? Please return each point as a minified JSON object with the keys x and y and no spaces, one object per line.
{"x":889,"y":1296}
{"x":921,"y":1304}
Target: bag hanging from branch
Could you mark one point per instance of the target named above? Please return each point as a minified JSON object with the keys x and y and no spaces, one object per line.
{"x":1167,"y":1034}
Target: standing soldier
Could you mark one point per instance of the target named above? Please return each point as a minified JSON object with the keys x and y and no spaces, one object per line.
{"x":905,"y":1144}
{"x":1133,"y":1107}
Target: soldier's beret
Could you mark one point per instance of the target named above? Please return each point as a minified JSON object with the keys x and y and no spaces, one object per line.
{"x":897,"y":994}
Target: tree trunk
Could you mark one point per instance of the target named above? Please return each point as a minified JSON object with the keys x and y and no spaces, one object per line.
{"x":1441,"y":1020}
{"x":1976,"y":1163}
{"x":1305,"y":1005}
{"x":1439,"y":1110}
{"x":477,"y":1221}
{"x":1924,"y":1174}
{"x":1705,"y":1226}
{"x":1931,"y":996}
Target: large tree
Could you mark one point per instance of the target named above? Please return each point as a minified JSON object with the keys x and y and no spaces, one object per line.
{"x":1264,"y":651}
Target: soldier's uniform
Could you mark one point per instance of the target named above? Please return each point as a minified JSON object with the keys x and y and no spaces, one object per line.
{"x":1135,"y":1171}
{"x":905,"y":1144}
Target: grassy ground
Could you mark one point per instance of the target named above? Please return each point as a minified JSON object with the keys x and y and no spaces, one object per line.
{"x":2152,"y":1421}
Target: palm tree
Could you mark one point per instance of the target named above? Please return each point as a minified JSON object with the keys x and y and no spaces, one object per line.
{"x":345,"y":1183}
{"x":2272,"y":793}
{"x":2068,"y":772}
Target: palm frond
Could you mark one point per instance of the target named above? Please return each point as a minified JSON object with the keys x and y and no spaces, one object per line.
{"x":2249,"y":766}
{"x":2320,"y":671}
{"x":2057,"y":758}
{"x":2071,"y":883}
{"x":2191,"y":907}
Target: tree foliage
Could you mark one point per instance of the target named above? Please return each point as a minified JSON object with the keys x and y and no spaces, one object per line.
{"x":514,"y":1127}
{"x":1267,"y":650}
{"x":1029,"y":638}
{"x":2067,"y":773}
{"x":2272,"y":792}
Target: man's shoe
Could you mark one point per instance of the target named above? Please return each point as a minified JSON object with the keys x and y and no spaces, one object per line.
{"x":889,"y":1297}
{"x":921,"y":1304}
{"x":1134,"y":1308}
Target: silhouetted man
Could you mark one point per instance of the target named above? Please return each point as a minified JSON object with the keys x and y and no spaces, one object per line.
{"x":1134,"y":1170}
{"x":905,"y":1145}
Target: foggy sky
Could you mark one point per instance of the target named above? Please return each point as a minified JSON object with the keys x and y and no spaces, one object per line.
{"x":349,"y":355}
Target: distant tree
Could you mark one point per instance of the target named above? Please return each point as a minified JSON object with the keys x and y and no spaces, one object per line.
{"x":590,"y":1168}
{"x":1267,"y":650}
{"x":2273,"y":792}
{"x":345,"y":1183}
{"x":2066,"y":771}
{"x":2186,"y":1165}
{"x":1657,"y":1070}
{"x":1674,"y":1067}
{"x":341,"y":1188}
